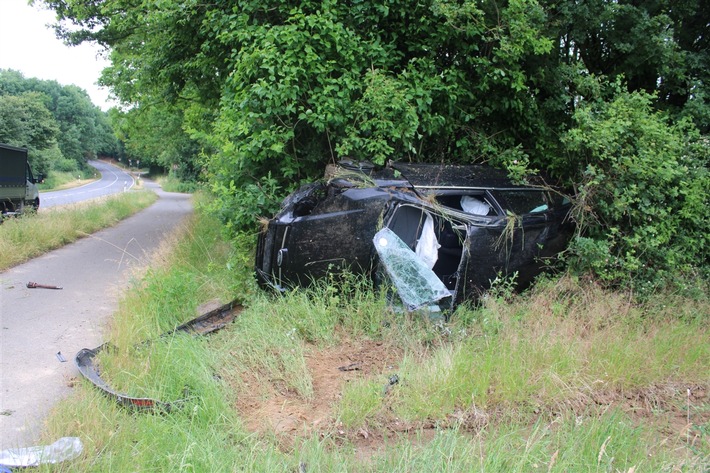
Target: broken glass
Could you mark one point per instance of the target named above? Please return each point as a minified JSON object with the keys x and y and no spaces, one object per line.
{"x":416,"y":283}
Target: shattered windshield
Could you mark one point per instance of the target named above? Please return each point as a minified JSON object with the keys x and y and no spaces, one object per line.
{"x":416,"y":283}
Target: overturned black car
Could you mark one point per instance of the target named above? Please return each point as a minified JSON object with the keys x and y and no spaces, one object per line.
{"x":440,"y":234}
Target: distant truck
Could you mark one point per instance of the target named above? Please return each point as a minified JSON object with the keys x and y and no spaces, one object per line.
{"x":18,"y":189}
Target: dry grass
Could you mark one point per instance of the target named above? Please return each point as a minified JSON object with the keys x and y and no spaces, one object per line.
{"x":31,"y":235}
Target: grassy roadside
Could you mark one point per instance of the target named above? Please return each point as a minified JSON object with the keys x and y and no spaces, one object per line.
{"x":58,"y":180}
{"x":566,"y":378}
{"x":172,"y":184}
{"x":33,"y":234}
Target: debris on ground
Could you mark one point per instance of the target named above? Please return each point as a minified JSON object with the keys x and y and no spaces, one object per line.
{"x":34,"y":285}
{"x":394,"y":379}
{"x":66,"y":448}
{"x":204,"y":324}
{"x":351,"y":367}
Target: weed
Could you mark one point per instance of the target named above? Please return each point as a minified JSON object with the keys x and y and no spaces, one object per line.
{"x":507,"y":235}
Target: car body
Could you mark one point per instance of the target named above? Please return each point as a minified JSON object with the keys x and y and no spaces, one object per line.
{"x":483,"y":226}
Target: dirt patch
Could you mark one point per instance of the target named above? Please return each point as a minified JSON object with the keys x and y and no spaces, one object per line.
{"x":286,"y":413}
{"x":674,"y":409}
{"x":681,"y":400}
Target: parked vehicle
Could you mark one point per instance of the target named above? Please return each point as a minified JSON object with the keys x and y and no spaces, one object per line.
{"x":18,"y":189}
{"x":458,"y":228}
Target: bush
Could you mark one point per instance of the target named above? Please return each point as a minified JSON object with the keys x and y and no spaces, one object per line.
{"x":65,"y":165}
{"x":642,"y":200}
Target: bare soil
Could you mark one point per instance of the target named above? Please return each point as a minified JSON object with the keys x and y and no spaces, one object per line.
{"x":674,"y":409}
{"x":331,"y":368}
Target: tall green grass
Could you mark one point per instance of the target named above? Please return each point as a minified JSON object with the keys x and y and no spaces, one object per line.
{"x":532,"y":353}
{"x":505,"y":386}
{"x":63,"y":179}
{"x":171,"y":183}
{"x":606,"y":443}
{"x":33,"y":234}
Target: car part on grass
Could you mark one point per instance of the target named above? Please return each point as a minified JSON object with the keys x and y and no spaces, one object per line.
{"x":468,"y":224}
{"x":391,"y":381}
{"x":66,"y":448}
{"x":34,"y":285}
{"x":211,"y":321}
{"x":355,"y":366}
{"x":88,"y":369}
{"x":204,"y":324}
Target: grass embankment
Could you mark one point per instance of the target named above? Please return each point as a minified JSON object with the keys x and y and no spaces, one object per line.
{"x":33,"y":234}
{"x":566,"y":378}
{"x":57,"y":180}
{"x":172,"y":184}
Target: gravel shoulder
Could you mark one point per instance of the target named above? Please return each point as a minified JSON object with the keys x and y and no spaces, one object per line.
{"x":38,"y":324}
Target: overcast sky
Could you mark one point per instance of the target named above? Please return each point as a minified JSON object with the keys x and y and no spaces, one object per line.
{"x":28,"y":46}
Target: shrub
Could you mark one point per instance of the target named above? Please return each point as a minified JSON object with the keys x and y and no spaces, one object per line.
{"x":643,"y":192}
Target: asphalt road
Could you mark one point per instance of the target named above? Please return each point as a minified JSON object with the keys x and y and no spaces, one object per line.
{"x":113,"y":180}
{"x":37,"y":324}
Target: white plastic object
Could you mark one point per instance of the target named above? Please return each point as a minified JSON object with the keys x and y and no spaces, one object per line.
{"x":472,"y":205}
{"x":66,"y":448}
{"x":428,"y":246}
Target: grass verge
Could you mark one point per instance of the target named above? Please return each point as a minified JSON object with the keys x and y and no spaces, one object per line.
{"x":565,"y":378}
{"x":33,"y":234}
{"x":171,"y":183}
{"x":58,"y":180}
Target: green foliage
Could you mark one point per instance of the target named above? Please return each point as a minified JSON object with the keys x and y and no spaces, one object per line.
{"x":156,"y":137}
{"x":240,"y":206}
{"x":55,"y":122}
{"x":383,"y":113}
{"x":26,"y":122}
{"x":643,"y":187}
{"x":311,"y":85}
{"x":170,"y":183}
{"x":65,"y":165}
{"x":259,"y":97}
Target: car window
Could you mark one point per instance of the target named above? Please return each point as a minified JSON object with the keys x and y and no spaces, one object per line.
{"x":474,"y":203}
{"x":523,"y":202}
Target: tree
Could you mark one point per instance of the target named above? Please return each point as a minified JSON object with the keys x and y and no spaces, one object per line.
{"x":156,"y":136}
{"x":660,"y":47}
{"x":272,"y":90}
{"x":25,"y":121}
{"x":83,"y":128}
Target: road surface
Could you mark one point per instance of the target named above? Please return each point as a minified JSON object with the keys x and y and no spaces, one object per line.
{"x":37,"y":324}
{"x":113,"y":180}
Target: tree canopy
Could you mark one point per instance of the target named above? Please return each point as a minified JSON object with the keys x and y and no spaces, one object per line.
{"x":270,"y":91}
{"x":59,"y":124}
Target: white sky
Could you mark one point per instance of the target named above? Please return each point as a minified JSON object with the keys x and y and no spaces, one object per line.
{"x":29,"y":46}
